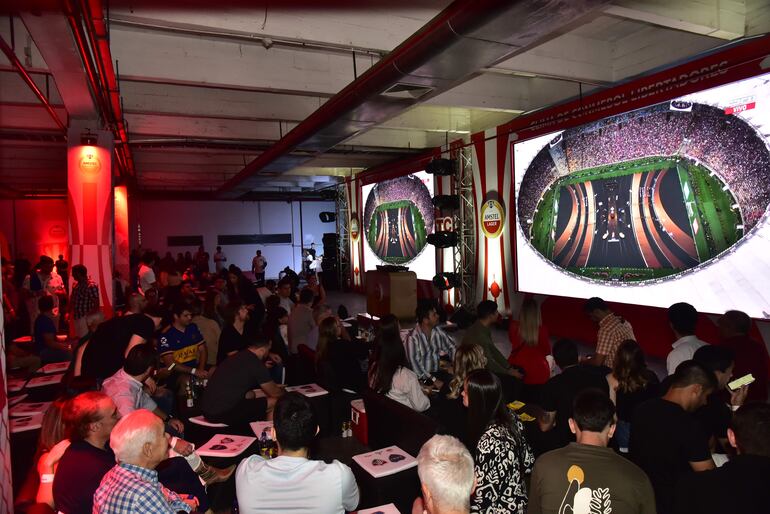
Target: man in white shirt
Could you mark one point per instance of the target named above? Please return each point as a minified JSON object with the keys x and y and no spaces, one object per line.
{"x":258,"y":265}
{"x":147,"y":278}
{"x":291,"y":482}
{"x":219,"y":259}
{"x":683,"y":317}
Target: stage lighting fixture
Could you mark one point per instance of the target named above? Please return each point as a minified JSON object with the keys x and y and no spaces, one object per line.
{"x":88,"y":139}
{"x":443,"y":239}
{"x":327,"y":217}
{"x":446,"y":281}
{"x":328,"y":194}
{"x":446,"y":202}
{"x":442,"y":167}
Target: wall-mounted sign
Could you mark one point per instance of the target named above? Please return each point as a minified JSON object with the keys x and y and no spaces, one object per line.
{"x":354,"y":228}
{"x":89,"y":162}
{"x":492,"y":218}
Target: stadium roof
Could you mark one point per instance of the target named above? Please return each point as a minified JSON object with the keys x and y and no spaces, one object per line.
{"x":209,"y":96}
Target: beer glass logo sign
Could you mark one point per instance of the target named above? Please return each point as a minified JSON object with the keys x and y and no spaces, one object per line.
{"x":89,"y":162}
{"x":492,"y":218}
{"x":354,"y":228}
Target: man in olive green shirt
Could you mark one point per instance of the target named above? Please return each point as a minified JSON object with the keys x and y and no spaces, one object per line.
{"x":480,"y":333}
{"x":586,"y":475}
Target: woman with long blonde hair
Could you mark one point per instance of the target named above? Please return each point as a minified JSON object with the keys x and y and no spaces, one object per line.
{"x":467,"y":358}
{"x":530,"y":345}
{"x":528,"y":329}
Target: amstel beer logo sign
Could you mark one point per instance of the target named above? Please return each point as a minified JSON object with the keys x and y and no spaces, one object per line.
{"x":89,"y":162}
{"x":492,"y":218}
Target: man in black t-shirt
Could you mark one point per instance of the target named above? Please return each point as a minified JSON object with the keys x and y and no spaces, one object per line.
{"x":230,"y":397}
{"x":740,"y":485}
{"x":89,"y":419}
{"x":106,"y":351}
{"x":666,"y":440}
{"x":560,"y":391}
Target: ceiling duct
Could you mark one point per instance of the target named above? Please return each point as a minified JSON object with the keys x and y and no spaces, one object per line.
{"x":453,"y":47}
{"x":402,"y":90}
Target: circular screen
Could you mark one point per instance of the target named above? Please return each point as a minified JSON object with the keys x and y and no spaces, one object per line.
{"x":399,"y":216}
{"x":645,"y":195}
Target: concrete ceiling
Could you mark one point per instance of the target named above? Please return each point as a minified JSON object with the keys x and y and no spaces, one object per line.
{"x":205,"y":93}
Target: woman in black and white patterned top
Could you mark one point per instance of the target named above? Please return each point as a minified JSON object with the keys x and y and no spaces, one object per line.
{"x":502,"y":454}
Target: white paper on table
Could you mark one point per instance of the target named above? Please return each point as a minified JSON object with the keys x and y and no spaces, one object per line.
{"x":200,"y":420}
{"x":26,"y":423}
{"x":384,"y":462}
{"x":45,"y":380}
{"x":28,"y":409}
{"x":262,"y":426}
{"x":309,"y":390}
{"x":55,"y":367}
{"x":226,"y":445}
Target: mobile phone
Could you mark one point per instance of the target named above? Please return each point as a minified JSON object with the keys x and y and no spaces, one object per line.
{"x":740,"y":382}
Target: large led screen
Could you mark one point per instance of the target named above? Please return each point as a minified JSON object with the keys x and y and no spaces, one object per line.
{"x":663,"y":204}
{"x":398,"y":216}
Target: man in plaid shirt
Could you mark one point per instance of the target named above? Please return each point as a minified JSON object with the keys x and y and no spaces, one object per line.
{"x":84,"y":299}
{"x":613,"y":330}
{"x":132,"y":487}
{"x":427,"y":343}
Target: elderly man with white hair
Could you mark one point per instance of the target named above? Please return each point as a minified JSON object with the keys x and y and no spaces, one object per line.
{"x":132,"y":486}
{"x":447,"y":476}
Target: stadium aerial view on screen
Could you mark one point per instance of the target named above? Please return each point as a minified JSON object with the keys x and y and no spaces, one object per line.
{"x":398,"y":217}
{"x":647,"y":194}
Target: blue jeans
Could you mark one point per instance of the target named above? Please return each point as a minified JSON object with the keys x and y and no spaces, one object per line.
{"x":623,"y":433}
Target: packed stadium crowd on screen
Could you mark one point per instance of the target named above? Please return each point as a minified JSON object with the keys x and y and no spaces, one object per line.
{"x":723,"y":143}
{"x":404,"y":188}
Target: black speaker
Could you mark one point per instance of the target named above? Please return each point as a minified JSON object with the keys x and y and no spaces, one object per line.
{"x":446,"y":202}
{"x":463,"y":318}
{"x":446,"y":281}
{"x":327,"y":217}
{"x":443,"y":239}
{"x":442,"y":167}
{"x":329,"y":194}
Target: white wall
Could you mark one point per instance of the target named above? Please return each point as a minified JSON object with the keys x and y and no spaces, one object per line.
{"x":159,"y":219}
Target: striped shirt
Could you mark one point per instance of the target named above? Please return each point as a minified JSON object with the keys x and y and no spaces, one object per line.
{"x":424,"y":355}
{"x":129,"y":489}
{"x":613,"y":330}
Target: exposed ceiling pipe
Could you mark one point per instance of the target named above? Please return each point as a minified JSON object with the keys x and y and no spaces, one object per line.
{"x":81,"y":41}
{"x":11,"y":55}
{"x":454,"y":46}
{"x":93,"y":11}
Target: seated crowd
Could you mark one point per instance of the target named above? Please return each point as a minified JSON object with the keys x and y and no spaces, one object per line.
{"x":599,"y":433}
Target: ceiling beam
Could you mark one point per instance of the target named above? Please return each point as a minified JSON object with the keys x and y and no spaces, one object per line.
{"x":723,"y":19}
{"x":372,"y":28}
{"x":204,"y":60}
{"x":16,"y":63}
{"x":53,"y":38}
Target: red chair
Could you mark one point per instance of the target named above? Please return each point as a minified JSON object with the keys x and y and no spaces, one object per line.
{"x":533,"y":362}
